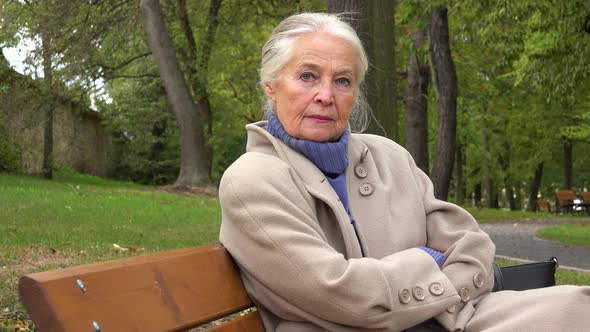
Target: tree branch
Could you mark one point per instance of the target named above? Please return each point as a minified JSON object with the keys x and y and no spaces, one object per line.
{"x":126,"y":62}
{"x":114,"y":77}
{"x":209,"y":38}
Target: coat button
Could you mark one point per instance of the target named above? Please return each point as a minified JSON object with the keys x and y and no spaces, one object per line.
{"x":478,"y":280}
{"x":451,"y":309}
{"x":404,"y":295}
{"x":366,"y":189}
{"x":465,"y":294}
{"x":360,"y":171}
{"x":418,"y":293}
{"x":436,"y":289}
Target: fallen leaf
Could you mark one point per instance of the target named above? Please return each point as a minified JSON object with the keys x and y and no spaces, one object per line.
{"x":130,"y":249}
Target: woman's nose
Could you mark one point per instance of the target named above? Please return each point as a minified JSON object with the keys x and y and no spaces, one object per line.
{"x":324,"y":94}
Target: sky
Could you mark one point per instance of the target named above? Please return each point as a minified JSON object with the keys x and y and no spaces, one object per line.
{"x":16,"y":56}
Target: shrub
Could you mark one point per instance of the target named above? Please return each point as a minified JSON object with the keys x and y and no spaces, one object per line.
{"x":10,"y":153}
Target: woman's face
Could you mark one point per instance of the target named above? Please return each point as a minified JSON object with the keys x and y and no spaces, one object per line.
{"x":314,"y":93}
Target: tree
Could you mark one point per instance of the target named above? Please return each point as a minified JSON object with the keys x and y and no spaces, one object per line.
{"x":416,"y":102}
{"x":49,"y":104}
{"x":534,"y":189}
{"x":194,"y":165}
{"x":374,"y":22}
{"x":445,"y":80}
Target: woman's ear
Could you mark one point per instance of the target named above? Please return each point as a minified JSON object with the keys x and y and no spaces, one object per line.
{"x":269,"y":91}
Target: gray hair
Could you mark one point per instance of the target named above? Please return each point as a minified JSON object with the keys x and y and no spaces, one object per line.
{"x":277,"y":52}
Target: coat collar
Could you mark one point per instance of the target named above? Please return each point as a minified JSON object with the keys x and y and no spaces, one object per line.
{"x":259,"y":140}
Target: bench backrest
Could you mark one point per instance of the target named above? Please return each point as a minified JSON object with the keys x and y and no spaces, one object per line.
{"x":168,"y":291}
{"x":564,"y":197}
{"x":586,"y":197}
{"x":543,"y":205}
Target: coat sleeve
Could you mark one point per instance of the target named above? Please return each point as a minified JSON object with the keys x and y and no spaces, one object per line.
{"x":271,"y":230}
{"x":469,"y":251}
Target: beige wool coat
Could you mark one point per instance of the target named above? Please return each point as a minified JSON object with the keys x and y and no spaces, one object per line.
{"x":300,"y":258}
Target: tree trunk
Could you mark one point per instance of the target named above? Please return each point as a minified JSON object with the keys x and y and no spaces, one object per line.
{"x":416,"y":102}
{"x":489,"y":187}
{"x":347,"y":6}
{"x":194,"y":154}
{"x":535,"y":185}
{"x":445,"y":80}
{"x":477,"y":195}
{"x":489,"y":191}
{"x":510,"y":196}
{"x":459,"y":179}
{"x":504,"y":162}
{"x":567,"y":164}
{"x":199,"y":68}
{"x":495,"y":201}
{"x":376,"y":29}
{"x":48,"y":106}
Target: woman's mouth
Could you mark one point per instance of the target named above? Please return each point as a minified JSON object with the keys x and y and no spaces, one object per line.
{"x":320,"y":118}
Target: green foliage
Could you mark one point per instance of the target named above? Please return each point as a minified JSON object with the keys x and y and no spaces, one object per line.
{"x":523,"y":81}
{"x":10,"y":153}
{"x":522,"y":69}
{"x":144,"y":131}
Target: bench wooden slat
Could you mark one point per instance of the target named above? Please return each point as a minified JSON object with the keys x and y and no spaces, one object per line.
{"x":247,"y":323}
{"x":169,"y":291}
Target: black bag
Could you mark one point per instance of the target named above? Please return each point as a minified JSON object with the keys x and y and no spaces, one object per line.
{"x":525,"y":276}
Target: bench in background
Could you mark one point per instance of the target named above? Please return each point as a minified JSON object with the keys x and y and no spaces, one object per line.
{"x":543,"y":205}
{"x":586,"y":201}
{"x":564,"y":201}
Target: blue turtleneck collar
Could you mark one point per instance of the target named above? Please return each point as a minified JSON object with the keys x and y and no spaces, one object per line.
{"x":330,"y":157}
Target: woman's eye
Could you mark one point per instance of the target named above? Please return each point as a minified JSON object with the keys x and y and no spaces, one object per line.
{"x":307,"y":76}
{"x":343,"y":81}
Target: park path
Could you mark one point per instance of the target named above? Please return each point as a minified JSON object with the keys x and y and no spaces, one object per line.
{"x":517,"y":239}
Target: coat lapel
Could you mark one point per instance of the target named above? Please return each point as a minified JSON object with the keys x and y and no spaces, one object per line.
{"x":314,"y":180}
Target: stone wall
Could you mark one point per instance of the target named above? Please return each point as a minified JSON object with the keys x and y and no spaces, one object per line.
{"x":79,"y":140}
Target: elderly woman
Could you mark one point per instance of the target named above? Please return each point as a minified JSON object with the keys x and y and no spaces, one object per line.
{"x":341,"y":232}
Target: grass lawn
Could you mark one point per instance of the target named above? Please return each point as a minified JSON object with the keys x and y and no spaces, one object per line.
{"x":576,"y":234}
{"x":483,"y":215}
{"x":78,"y":219}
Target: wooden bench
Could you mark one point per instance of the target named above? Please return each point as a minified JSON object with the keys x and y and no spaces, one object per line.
{"x":169,"y":291}
{"x":543,"y":205}
{"x":564,"y":201}
{"x":586,"y":201}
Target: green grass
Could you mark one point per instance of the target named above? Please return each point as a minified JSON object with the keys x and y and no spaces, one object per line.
{"x":562,"y":276}
{"x":66,"y":175}
{"x":576,"y":234}
{"x":92,"y":215}
{"x":483,"y":215}
{"x":77,"y":219}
